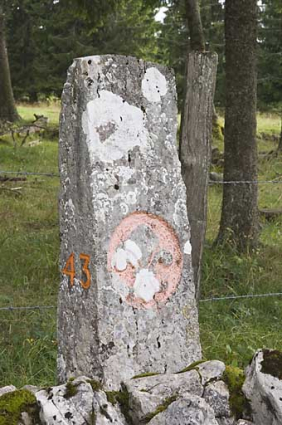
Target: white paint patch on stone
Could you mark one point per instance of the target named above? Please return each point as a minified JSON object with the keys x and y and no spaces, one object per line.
{"x":187,"y":248}
{"x":146,"y":285}
{"x":121,"y":260}
{"x":154,"y":85}
{"x":133,"y":252}
{"x":112,"y":127}
{"x":130,"y":254}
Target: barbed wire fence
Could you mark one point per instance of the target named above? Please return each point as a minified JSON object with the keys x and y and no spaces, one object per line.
{"x":211,"y":183}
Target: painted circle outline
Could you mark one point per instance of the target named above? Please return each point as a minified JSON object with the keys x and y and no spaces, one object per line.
{"x":168,"y":241}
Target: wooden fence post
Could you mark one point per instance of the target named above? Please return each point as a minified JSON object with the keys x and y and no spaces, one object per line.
{"x":195,"y":147}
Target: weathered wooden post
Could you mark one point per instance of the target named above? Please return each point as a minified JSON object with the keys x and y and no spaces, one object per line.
{"x":195,"y":147}
{"x":127,"y":298}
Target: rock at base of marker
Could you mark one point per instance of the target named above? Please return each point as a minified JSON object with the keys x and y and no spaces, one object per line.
{"x":127,"y":298}
{"x":263,"y":387}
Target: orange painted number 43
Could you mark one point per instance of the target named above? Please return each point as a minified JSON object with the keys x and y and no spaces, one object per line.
{"x":69,"y":270}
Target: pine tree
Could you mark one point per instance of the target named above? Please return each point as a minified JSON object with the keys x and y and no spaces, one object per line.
{"x":8,"y":110}
{"x":239,"y":218}
{"x":174,"y":35}
{"x":46,"y":36}
{"x":270,"y":54}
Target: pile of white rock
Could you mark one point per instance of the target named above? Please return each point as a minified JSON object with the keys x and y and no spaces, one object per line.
{"x":197,"y":396}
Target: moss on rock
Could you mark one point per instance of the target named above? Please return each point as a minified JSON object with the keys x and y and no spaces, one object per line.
{"x":161,"y":408}
{"x":122,"y":398}
{"x":93,"y":418}
{"x":234,"y":379}
{"x":112,"y":397}
{"x":145,"y":375}
{"x":192,"y":366}
{"x":13,"y":404}
{"x":272,"y":363}
{"x":71,"y":390}
{"x":96,"y":385}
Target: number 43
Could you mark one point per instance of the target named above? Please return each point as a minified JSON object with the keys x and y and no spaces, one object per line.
{"x":69,"y":270}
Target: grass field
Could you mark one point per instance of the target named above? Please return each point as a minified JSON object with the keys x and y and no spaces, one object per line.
{"x":29,"y":239}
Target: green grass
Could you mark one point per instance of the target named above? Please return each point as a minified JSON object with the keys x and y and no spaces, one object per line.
{"x":29,"y":240}
{"x":29,"y":237}
{"x":51,"y":111}
{"x":268,"y":123}
{"x":232,"y":330}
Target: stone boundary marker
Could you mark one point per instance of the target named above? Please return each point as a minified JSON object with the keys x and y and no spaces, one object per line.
{"x":127,"y":297}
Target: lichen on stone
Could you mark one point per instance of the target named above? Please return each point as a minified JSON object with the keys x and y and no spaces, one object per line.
{"x":16,"y":402}
{"x":272,"y":363}
{"x":234,"y":379}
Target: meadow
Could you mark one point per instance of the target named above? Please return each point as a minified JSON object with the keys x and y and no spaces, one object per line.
{"x":231,"y":330}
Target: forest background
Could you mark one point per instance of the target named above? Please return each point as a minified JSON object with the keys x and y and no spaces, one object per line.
{"x":44,"y":37}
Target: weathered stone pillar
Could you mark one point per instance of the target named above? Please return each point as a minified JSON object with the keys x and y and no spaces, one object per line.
{"x":127,"y":298}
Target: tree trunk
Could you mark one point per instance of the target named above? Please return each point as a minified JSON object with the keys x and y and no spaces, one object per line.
{"x":197,"y":41}
{"x":196,"y":132}
{"x":8,"y":110}
{"x":280,"y":138}
{"x":239,"y":219}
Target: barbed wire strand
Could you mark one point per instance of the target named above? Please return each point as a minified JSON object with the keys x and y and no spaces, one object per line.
{"x":34,"y":307}
{"x":236,"y":297}
{"x":229,"y":297}
{"x":27,"y":173}
{"x":211,"y":182}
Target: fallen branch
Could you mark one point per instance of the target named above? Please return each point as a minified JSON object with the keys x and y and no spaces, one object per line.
{"x":12,"y":179}
{"x":37,"y":126}
{"x":15,"y":190}
{"x":270,"y":215}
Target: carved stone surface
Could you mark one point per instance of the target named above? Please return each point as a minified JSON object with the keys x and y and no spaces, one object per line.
{"x":130,"y":306}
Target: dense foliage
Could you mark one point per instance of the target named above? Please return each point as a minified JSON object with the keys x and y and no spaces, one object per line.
{"x":43,"y":38}
{"x":270,"y":54}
